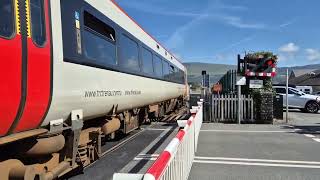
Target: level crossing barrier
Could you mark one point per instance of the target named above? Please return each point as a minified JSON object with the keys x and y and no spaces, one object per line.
{"x":175,"y":162}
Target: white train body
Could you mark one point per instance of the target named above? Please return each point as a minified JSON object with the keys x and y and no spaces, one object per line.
{"x":69,"y":61}
{"x":84,"y":55}
{"x":73,"y":83}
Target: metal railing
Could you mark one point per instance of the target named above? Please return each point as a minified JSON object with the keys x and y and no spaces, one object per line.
{"x":175,"y":162}
{"x":225,"y":108}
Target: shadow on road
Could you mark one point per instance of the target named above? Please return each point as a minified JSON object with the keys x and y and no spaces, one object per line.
{"x":304,"y":129}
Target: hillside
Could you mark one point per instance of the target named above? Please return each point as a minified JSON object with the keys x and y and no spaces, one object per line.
{"x":217,"y":70}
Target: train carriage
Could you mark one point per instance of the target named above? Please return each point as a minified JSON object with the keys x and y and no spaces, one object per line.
{"x":74,"y":72}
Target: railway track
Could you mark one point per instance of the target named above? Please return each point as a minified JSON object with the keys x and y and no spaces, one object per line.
{"x":174,"y":116}
{"x":119,"y":145}
{"x":111,"y":147}
{"x":171,"y":118}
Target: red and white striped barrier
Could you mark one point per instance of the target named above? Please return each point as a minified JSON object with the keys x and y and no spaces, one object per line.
{"x":175,"y":162}
{"x":262,"y":74}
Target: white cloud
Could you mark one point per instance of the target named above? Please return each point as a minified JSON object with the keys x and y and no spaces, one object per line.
{"x":177,"y":39}
{"x":313,"y":54}
{"x":289,"y":48}
{"x":217,"y":4}
{"x":239,"y":22}
{"x":157,"y":8}
{"x":288,"y":23}
{"x":211,"y":14}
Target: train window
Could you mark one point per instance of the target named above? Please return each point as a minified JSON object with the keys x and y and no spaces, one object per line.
{"x":99,"y":26}
{"x":147,"y":64}
{"x":99,"y":45}
{"x":181,"y":77}
{"x":129,"y":54}
{"x":157,"y":66}
{"x":166,"y":72}
{"x":172,"y":69}
{"x":6,"y":18}
{"x":102,"y":52}
{"x":173,"y":73}
{"x":38,"y":29}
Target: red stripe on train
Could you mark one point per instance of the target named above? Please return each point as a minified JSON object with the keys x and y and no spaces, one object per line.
{"x":38,"y":83}
{"x":10,"y":81}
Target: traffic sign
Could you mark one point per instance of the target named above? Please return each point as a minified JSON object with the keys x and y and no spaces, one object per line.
{"x":256,"y":84}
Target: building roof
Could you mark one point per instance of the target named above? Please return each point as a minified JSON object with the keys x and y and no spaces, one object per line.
{"x":308,"y":79}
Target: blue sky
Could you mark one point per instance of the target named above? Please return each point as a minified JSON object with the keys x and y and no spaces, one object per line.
{"x":215,"y":31}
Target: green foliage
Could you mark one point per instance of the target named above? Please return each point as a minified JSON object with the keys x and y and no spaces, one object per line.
{"x":268,"y":80}
{"x":262,"y":54}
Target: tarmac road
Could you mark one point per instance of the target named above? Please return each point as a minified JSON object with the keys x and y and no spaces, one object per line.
{"x":260,"y":152}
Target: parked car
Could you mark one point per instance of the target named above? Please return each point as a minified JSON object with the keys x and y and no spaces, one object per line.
{"x":299,"y":100}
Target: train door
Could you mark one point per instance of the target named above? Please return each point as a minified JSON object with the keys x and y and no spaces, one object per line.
{"x":11,"y":63}
{"x":39,"y":65}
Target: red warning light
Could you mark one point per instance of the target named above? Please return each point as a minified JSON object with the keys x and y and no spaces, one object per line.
{"x":269,"y":62}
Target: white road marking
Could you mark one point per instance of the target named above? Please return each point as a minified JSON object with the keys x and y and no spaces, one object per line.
{"x":154,"y":129}
{"x":309,"y":135}
{"x":243,"y":131}
{"x":149,"y":155}
{"x":144,"y":153}
{"x":316,"y":139}
{"x":144,"y":158}
{"x":256,"y":160}
{"x":297,"y":129}
{"x":256,"y":164}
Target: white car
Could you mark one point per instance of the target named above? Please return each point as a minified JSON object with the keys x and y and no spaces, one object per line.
{"x":299,"y":100}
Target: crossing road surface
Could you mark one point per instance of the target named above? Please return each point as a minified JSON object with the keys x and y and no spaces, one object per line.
{"x":131,"y":156}
{"x":260,"y":152}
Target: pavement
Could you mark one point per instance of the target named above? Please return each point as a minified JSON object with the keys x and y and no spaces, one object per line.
{"x":260,"y":152}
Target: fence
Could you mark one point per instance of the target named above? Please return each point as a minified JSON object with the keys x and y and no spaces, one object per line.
{"x":228,"y":82}
{"x":175,"y":162}
{"x":225,"y":108}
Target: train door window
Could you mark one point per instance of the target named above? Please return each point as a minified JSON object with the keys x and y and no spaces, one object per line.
{"x":166,"y":72}
{"x":6,"y":18}
{"x":38,"y":28}
{"x":129,"y":53}
{"x":99,"y":41}
{"x":147,"y":64}
{"x":158,"y":66}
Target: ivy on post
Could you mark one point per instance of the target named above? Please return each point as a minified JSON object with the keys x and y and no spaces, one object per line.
{"x":260,"y":66}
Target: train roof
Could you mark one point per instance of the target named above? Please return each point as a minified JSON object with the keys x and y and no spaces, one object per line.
{"x":113,"y":11}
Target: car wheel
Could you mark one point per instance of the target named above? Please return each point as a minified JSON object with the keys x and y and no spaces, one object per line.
{"x":312,"y":107}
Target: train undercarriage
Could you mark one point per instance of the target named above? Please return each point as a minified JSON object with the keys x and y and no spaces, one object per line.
{"x":51,"y":152}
